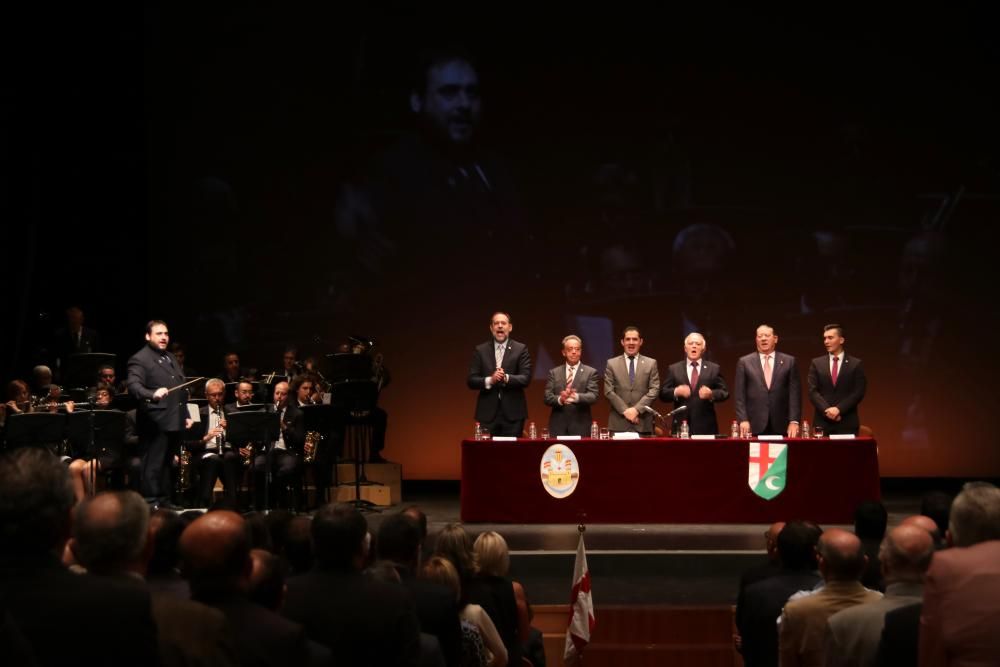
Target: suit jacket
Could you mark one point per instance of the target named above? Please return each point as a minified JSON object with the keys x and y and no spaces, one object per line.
{"x":853,"y":635}
{"x":961,"y":615}
{"x":803,"y":623}
{"x":437,"y":612}
{"x":572,"y":418}
{"x":758,"y":610}
{"x":262,"y":636}
{"x":193,"y":436}
{"x":850,"y":389}
{"x":898,"y":647}
{"x":700,"y":413}
{"x":148,"y":370}
{"x":362,"y":622}
{"x":757,"y":404}
{"x":504,"y":400}
{"x":66,"y":617}
{"x":623,"y":393}
{"x":295,"y":431}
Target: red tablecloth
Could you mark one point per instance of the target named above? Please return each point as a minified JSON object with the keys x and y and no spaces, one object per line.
{"x":666,"y":481}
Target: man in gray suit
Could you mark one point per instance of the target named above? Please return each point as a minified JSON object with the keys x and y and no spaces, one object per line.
{"x":571,"y":389}
{"x":768,"y":389}
{"x":631,"y":384}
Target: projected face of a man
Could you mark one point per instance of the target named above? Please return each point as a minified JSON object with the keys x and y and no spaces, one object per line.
{"x":451,"y":102}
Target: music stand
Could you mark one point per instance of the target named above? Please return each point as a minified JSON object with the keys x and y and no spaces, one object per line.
{"x":124,"y":402}
{"x":253,"y":423}
{"x":81,"y":369}
{"x":347,"y":366}
{"x":96,"y":433}
{"x":34,"y":428}
{"x":357,"y":399}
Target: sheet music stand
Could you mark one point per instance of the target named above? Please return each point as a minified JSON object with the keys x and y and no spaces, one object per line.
{"x":96,"y":434}
{"x":357,"y":400}
{"x":252,"y":423}
{"x":349,"y":367}
{"x":81,"y":369}
{"x":34,"y":428}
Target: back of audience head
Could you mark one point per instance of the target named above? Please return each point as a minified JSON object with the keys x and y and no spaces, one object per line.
{"x":975,"y":515}
{"x":267,"y":580}
{"x":36,"y":501}
{"x":259,"y":532}
{"x":442,"y":571}
{"x":420,"y":517}
{"x":797,"y":546}
{"x":215,"y":555}
{"x":492,"y":555}
{"x":771,"y":539}
{"x":926,"y":523}
{"x":110,"y":533}
{"x":841,"y":556}
{"x":870,"y":520}
{"x":906,"y":554}
{"x":298,"y":549}
{"x":937,"y":505}
{"x":278,"y":523}
{"x":340,"y":538}
{"x":455,"y":544}
{"x":399,"y":540}
{"x":165,"y":528}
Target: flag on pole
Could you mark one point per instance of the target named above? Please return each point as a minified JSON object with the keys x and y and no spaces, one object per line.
{"x":581,"y":614}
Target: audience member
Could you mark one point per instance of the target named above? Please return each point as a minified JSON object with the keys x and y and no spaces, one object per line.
{"x":870,"y":521}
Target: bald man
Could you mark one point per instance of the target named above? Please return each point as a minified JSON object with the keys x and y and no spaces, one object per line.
{"x":215,"y":556}
{"x":853,"y":635}
{"x":803,"y":621}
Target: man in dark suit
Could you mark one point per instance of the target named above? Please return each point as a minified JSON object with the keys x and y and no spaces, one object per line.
{"x":162,"y":414}
{"x":215,"y":557}
{"x":64,"y":617}
{"x":284,"y":455}
{"x":631,"y":384}
{"x":212,"y":456}
{"x":570,"y":390}
{"x":836,"y":385}
{"x":768,"y":389}
{"x":762,"y":602}
{"x":362,"y":621}
{"x":500,"y":370}
{"x":697,"y":384}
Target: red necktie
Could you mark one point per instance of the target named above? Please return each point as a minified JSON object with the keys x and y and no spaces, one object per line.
{"x":694,"y":378}
{"x":833,"y":373}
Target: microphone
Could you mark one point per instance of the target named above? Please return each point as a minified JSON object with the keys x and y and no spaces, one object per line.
{"x":656,"y":414}
{"x":676,"y":410}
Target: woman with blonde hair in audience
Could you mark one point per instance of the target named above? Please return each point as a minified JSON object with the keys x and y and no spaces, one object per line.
{"x":481,"y":643}
{"x":502,"y":598}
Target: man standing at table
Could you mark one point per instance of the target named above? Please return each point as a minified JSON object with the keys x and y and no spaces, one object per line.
{"x":836,"y":385}
{"x":500,"y":370}
{"x":768,"y":389}
{"x":631,"y":384}
{"x":162,"y":414}
{"x":570,"y":390}
{"x":698,"y":384}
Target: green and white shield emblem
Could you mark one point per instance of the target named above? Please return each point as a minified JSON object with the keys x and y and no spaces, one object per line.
{"x":768,"y":467}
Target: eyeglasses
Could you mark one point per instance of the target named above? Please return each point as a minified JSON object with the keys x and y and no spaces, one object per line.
{"x":107,"y":375}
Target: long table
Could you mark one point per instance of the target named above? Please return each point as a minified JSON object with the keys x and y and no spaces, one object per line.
{"x":666,"y":480}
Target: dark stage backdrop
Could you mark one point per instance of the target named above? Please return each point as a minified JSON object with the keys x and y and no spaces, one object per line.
{"x":678,"y":172}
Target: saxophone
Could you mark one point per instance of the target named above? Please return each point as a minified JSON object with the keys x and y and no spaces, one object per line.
{"x":311,"y":446}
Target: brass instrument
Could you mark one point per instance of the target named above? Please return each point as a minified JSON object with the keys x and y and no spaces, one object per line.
{"x":247,"y":453}
{"x":311,"y":446}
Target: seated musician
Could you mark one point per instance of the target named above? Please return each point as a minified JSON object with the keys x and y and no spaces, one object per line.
{"x":212,"y":457}
{"x":285,"y":453}
{"x":81,"y":470}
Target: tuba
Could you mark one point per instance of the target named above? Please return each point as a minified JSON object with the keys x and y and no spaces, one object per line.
{"x":311,"y":446}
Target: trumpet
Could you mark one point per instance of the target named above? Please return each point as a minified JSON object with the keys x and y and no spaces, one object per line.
{"x":184,"y":470}
{"x":311,"y":446}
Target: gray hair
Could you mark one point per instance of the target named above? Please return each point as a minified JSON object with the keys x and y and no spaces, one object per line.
{"x":975,"y":515}
{"x":572,"y":337}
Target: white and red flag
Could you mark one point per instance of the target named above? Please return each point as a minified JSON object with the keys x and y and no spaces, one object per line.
{"x":581,"y":613}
